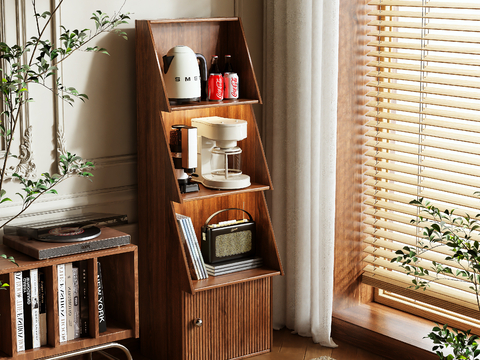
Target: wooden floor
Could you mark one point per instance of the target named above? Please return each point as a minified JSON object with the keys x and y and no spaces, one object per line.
{"x":287,"y":346}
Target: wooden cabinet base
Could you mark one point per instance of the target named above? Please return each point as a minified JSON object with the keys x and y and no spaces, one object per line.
{"x":230,"y":322}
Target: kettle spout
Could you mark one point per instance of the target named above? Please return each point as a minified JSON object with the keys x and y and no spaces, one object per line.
{"x":167,"y":60}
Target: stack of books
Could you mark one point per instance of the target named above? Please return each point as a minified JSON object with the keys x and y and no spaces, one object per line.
{"x":231,"y":266}
{"x":30,"y":308}
{"x":73,"y":302}
{"x":192,"y":248}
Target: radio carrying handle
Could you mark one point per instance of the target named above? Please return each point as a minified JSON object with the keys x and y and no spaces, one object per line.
{"x":220,"y":211}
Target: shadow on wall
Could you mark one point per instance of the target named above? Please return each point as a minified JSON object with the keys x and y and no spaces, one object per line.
{"x":106,"y":124}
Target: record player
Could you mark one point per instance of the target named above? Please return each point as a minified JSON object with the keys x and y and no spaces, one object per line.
{"x":71,"y":229}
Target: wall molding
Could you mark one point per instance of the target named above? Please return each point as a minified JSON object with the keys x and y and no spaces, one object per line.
{"x":73,"y":202}
{"x":116,"y":160}
{"x":24,"y":164}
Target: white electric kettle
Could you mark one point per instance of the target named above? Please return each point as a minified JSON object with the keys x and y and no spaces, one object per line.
{"x":183,"y":78}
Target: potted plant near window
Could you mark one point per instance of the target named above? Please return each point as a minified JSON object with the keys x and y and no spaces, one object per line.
{"x":36,"y":63}
{"x":459,"y":235}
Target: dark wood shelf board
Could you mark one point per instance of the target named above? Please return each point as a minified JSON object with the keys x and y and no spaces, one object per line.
{"x":205,"y":193}
{"x":194,"y":20}
{"x":209,"y":104}
{"x":26,"y":262}
{"x":233,"y":278}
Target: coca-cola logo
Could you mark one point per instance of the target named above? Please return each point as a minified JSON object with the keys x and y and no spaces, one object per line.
{"x":234,"y":83}
{"x":219,"y":87}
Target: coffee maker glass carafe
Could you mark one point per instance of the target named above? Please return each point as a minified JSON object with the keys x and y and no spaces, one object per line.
{"x":227,"y":162}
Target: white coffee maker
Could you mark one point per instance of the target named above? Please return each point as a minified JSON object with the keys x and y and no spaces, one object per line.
{"x":219,"y":157}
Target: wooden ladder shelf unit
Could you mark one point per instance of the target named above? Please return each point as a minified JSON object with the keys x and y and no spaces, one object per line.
{"x":235,"y":308}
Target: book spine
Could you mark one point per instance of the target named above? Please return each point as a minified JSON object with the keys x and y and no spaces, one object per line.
{"x":189,"y":255}
{"x":27,"y":309}
{"x":35,"y":308}
{"x":197,"y":249}
{"x":20,"y":328}
{"x":76,"y":303}
{"x":62,"y":303}
{"x":42,"y":302}
{"x":102,"y":321}
{"x":69,"y":293}
{"x":83,"y":279}
{"x":196,"y":260}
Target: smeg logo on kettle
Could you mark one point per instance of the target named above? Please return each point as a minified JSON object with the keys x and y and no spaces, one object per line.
{"x":187,"y":78}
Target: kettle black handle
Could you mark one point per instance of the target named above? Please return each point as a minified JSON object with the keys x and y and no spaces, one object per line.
{"x":203,"y":76}
{"x":203,"y":66}
{"x":167,"y":60}
{"x":220,"y":211}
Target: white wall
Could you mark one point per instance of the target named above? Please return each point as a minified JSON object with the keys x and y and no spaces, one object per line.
{"x":103,"y":128}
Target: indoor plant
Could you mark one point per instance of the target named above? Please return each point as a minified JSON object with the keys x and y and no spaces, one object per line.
{"x":459,"y":234}
{"x":35,"y":63}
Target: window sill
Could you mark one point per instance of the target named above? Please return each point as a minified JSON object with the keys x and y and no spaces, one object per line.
{"x":384,"y":331}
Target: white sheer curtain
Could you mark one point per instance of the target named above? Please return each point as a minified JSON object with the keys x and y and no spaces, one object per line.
{"x":300,"y":110}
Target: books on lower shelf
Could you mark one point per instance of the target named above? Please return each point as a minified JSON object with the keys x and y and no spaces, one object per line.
{"x":20,"y":328}
{"x":231,"y":266}
{"x":192,"y":248}
{"x":102,"y":320}
{"x":28,"y":289}
{"x":62,"y":302}
{"x":73,"y":300}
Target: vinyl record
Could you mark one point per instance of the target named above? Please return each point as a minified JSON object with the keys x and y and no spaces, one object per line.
{"x":69,"y":234}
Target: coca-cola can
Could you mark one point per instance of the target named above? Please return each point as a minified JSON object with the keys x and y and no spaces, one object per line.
{"x":231,"y":85}
{"x":215,"y":87}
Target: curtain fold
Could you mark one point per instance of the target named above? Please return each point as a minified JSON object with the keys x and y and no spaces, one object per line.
{"x":300,"y":137}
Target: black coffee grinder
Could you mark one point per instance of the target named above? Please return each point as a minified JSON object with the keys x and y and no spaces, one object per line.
{"x":183,"y":145}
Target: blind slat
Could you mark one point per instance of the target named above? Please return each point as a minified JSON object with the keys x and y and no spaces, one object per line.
{"x":375,"y":195}
{"x":469,"y":127}
{"x":425,"y":101}
{"x":428,"y":37}
{"x":425,"y":173}
{"x":431,"y":4}
{"x":427,"y":111}
{"x":427,"y":163}
{"x":428,"y":58}
{"x":387,"y":250}
{"x":426,"y":69}
{"x":419,"y":25}
{"x":459,"y":285}
{"x":409,"y":180}
{"x":427,"y":80}
{"x":431,"y":195}
{"x":429,"y":154}
{"x":419,"y":15}
{"x":427,"y":132}
{"x":429,"y":47}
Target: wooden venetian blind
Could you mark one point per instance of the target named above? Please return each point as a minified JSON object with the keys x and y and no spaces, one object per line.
{"x":423,"y":136}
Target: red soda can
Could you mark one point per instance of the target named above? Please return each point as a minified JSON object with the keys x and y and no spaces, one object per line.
{"x":231,"y":85}
{"x":215,"y":87}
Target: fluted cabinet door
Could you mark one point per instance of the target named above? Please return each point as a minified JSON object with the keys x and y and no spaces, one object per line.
{"x":229,"y":322}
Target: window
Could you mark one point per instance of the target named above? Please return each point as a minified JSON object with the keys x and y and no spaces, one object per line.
{"x":423,"y":137}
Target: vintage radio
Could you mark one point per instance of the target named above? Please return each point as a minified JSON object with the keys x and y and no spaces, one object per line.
{"x":228,"y":240}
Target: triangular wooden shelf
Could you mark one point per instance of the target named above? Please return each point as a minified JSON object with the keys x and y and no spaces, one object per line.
{"x":166,"y":287}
